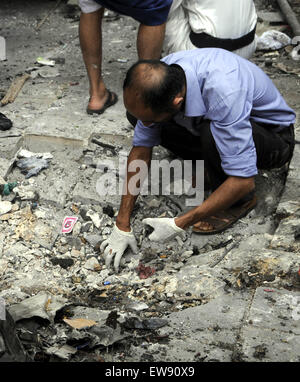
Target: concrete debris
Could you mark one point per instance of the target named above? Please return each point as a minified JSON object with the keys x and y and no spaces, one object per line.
{"x":146,"y":324}
{"x":26,"y":192}
{"x":92,"y":264}
{"x":42,"y":305}
{"x":94,"y":218}
{"x":137,"y":306}
{"x":5,"y":207}
{"x":64,"y":352}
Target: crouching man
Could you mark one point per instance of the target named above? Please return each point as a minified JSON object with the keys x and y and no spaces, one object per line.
{"x":204,"y":104}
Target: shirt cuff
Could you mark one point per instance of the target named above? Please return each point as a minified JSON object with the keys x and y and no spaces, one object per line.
{"x":240,"y":165}
{"x":146,"y":136}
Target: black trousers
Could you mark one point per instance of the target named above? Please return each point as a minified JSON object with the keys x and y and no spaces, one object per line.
{"x":273,"y":149}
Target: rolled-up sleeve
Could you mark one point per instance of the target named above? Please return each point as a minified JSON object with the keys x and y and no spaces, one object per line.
{"x":147,"y":136}
{"x":232,"y":132}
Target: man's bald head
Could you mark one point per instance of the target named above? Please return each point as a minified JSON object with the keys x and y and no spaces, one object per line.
{"x":155,"y":84}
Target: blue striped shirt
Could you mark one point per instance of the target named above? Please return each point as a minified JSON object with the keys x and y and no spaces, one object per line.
{"x":229,"y":91}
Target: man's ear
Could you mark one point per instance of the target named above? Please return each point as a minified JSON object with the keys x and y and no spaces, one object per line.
{"x":178,"y":100}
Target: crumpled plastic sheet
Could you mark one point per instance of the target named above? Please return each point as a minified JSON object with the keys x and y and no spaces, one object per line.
{"x":272,"y":40}
{"x":32,"y":166}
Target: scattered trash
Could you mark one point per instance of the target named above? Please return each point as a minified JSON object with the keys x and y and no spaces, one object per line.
{"x":62,"y":261}
{"x":58,"y":60}
{"x":287,"y":69}
{"x":295,"y":53}
{"x":273,"y":40}
{"x":32,"y":163}
{"x":14,"y":89}
{"x":5,"y":123}
{"x":79,"y":323}
{"x":32,"y":166}
{"x":148,"y":323}
{"x":268,"y":290}
{"x":106,"y":283}
{"x":45,"y":61}
{"x":68,"y":224}
{"x":28,"y":154}
{"x":144,"y":272}
{"x":8,"y":188}
{"x":48,"y":72}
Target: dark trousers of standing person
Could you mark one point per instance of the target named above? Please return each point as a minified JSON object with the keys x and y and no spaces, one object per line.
{"x":273,"y":149}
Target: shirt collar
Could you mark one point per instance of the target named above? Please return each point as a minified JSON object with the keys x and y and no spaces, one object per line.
{"x":194,"y":104}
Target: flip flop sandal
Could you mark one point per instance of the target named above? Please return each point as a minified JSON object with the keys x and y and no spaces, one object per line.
{"x":111,"y":100}
{"x":5,"y":123}
{"x":225,"y":219}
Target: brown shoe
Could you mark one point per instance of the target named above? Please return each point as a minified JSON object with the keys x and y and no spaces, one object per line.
{"x":225,"y":219}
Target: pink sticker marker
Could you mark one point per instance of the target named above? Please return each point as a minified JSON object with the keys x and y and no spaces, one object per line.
{"x":68,"y":224}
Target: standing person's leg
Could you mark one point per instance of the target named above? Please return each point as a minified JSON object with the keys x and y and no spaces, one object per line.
{"x":90,"y":36}
{"x":150,"y":41}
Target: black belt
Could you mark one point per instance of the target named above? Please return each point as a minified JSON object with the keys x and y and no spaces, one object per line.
{"x":204,"y":40}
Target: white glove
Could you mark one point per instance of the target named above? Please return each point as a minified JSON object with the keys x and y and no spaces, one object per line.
{"x":164,"y":229}
{"x":116,"y":244}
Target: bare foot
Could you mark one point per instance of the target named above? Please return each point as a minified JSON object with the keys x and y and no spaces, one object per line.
{"x":97,"y":101}
{"x":204,"y":226}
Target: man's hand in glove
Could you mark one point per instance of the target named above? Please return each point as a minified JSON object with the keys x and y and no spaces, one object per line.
{"x":116,"y":245}
{"x":164,"y":229}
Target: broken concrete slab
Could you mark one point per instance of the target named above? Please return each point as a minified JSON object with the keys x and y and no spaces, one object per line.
{"x":203,"y":333}
{"x":245,"y":268}
{"x":35,"y":230}
{"x":272,"y":331}
{"x":269,"y":345}
{"x":42,"y":305}
{"x":276,"y":309}
{"x":86,"y":192}
{"x":98,"y":315}
{"x":287,"y":234}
